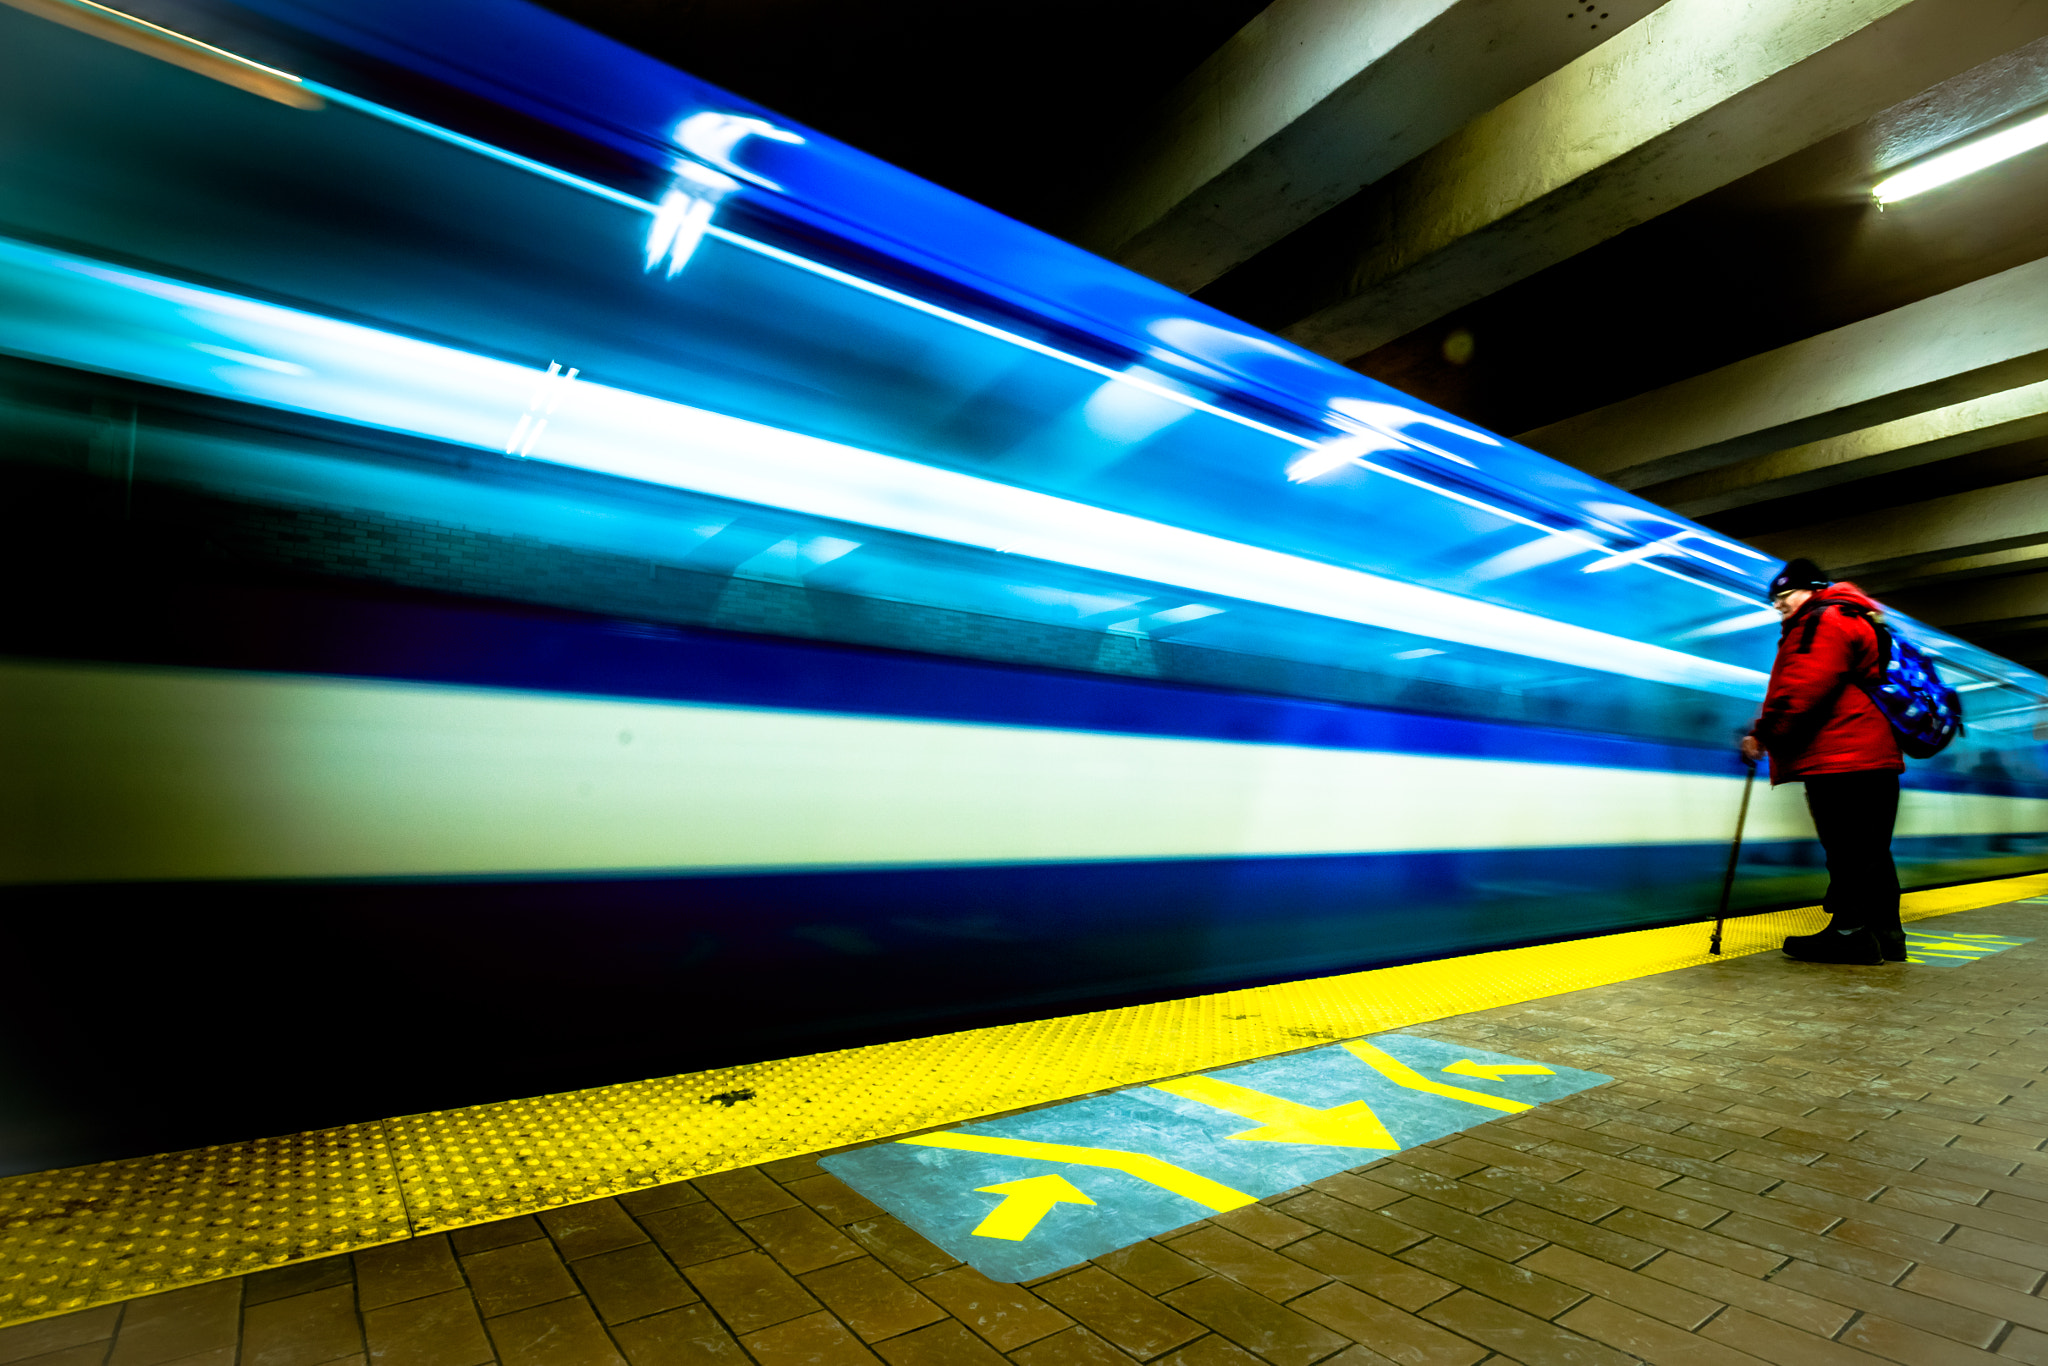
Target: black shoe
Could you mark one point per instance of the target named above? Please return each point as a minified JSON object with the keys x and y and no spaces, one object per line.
{"x":1831,"y":946}
{"x":1892,"y":945}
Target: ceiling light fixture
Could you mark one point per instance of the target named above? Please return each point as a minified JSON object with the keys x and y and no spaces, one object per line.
{"x":1957,"y":162}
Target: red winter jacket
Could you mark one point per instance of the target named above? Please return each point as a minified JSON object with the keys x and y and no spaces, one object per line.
{"x":1815,"y":718}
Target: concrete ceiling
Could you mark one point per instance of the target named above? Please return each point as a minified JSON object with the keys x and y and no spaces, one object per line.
{"x":1636,"y":234}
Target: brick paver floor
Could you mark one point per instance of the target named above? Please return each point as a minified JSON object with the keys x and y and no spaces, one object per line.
{"x":1799,"y":1165}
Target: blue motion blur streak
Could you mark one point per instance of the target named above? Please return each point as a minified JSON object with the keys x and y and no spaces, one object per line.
{"x":77,"y":312}
{"x":577,"y":81}
{"x":481,"y":148}
{"x":666,"y":232}
{"x":1364,"y":427}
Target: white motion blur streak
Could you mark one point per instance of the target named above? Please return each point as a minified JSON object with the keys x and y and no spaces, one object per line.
{"x":656,"y":441}
{"x":1368,"y":428}
{"x":77,"y":312}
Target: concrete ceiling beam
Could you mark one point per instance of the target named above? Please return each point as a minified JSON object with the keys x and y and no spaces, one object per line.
{"x":1985,"y":607}
{"x":1979,"y":339}
{"x":2005,"y":517}
{"x":1308,"y":103}
{"x":1977,"y":424}
{"x":1961,"y":569}
{"x":1688,"y":99}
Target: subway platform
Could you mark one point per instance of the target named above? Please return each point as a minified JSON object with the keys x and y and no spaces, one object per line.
{"x":1742,"y":1159}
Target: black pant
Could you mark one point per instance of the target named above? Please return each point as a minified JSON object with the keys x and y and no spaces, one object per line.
{"x":1853,"y":814}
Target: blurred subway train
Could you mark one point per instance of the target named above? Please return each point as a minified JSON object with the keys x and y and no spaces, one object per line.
{"x":533,"y":577}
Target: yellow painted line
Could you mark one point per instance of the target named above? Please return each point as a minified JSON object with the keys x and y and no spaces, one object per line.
{"x":1026,"y":1202}
{"x":1966,"y":941}
{"x":93,"y":1235}
{"x":1401,"y":1074}
{"x":1144,"y":1166}
{"x":1351,"y":1125}
{"x":1494,"y":1071}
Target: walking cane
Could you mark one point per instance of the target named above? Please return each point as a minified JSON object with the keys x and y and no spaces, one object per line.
{"x":1734,"y":854}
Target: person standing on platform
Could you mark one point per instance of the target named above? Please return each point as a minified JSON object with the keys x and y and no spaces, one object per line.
{"x":1820,"y":728}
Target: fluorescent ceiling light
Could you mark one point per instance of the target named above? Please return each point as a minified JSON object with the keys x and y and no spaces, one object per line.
{"x":81,"y":313}
{"x":1958,"y":162}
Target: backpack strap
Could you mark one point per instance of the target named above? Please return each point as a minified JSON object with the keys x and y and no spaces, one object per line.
{"x":1851,"y":609}
{"x":1812,"y":625}
{"x":1813,"y":617}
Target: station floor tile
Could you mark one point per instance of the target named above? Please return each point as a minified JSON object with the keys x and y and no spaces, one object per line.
{"x":1794,"y":1164}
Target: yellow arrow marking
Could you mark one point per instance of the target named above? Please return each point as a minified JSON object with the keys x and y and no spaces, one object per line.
{"x":1144,"y":1166}
{"x":1494,"y":1071}
{"x":1975,"y":941}
{"x":1351,"y":1125}
{"x":1025,"y":1203}
{"x":1401,"y":1074}
{"x":1973,"y":950}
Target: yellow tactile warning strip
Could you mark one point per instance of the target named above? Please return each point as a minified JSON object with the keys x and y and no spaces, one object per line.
{"x":87,"y":1235}
{"x":90,"y":1235}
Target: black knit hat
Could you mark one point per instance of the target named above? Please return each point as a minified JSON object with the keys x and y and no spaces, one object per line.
{"x":1795,"y":575}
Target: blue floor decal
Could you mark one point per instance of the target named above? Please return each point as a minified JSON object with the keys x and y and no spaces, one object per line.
{"x":1953,"y":950}
{"x":1016,"y":1198}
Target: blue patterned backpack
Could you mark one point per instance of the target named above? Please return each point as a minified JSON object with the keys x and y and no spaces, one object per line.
{"x":1924,"y":711}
